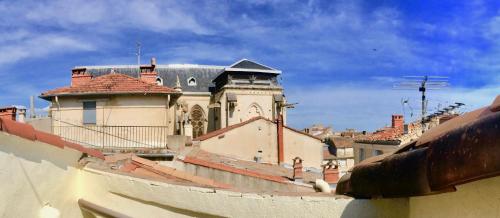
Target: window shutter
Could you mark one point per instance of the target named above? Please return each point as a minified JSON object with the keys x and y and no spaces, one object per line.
{"x":89,"y":112}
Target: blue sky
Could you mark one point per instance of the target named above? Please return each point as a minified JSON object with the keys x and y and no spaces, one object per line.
{"x":339,"y":58}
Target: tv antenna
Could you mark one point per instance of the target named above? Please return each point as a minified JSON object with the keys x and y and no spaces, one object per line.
{"x":138,"y":54}
{"x":423,"y":83}
{"x":406,"y":102}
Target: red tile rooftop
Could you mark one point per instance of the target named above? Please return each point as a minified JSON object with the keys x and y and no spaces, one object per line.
{"x":110,"y":84}
{"x":269,"y":172}
{"x":28,"y":132}
{"x":130,"y":164}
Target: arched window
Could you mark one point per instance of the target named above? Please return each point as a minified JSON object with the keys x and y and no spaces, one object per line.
{"x":191,"y":81}
{"x":254,"y":111}
{"x":159,"y":81}
{"x":197,"y":120}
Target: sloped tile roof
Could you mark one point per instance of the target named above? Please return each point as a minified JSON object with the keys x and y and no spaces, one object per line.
{"x":27,"y":131}
{"x":111,"y":84}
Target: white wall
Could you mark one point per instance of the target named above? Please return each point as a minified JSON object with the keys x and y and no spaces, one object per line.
{"x":475,"y":199}
{"x":244,"y":143}
{"x":34,"y":174}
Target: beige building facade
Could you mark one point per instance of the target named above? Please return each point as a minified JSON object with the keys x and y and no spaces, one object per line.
{"x":130,"y":106}
{"x":257,"y":140}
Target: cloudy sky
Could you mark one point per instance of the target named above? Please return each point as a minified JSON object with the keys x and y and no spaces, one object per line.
{"x":339,"y":59}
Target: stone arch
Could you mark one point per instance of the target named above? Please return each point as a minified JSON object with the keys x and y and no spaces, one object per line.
{"x":197,"y":117}
{"x":254,"y":110}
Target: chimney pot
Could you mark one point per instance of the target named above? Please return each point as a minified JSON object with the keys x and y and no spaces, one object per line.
{"x":297,"y":169}
{"x":8,"y":113}
{"x":330,"y":172}
{"x":79,"y":76}
{"x":398,"y":121}
{"x":153,"y":61}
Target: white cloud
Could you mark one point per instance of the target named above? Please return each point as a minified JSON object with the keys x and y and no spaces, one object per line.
{"x":366,"y":107}
{"x":106,"y":16}
{"x":30,"y":46}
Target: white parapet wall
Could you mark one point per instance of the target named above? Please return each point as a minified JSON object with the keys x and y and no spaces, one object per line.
{"x":146,"y":198}
{"x":42,"y":179}
{"x":35,"y":175}
{"x":475,"y":199}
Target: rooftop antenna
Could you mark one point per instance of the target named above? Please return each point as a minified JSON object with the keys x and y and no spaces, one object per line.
{"x":423,"y":83}
{"x":406,"y":102}
{"x":138,"y":54}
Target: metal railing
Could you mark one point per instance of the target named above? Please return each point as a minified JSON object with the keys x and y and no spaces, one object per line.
{"x":114,"y":137}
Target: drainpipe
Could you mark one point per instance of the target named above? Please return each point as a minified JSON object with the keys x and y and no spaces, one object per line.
{"x":59,"y":112}
{"x":279,"y":124}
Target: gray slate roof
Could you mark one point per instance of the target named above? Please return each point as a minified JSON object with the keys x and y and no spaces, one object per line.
{"x":250,"y":65}
{"x":203,"y":74}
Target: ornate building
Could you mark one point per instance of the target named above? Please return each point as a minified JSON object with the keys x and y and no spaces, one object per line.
{"x":199,"y":99}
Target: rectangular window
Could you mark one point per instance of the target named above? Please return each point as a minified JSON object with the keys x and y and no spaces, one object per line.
{"x":377,"y":152}
{"x":361,"y":154}
{"x":89,"y":112}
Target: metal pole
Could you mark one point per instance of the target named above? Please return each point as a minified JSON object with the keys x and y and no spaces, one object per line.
{"x":32,"y":107}
{"x":422,"y":89}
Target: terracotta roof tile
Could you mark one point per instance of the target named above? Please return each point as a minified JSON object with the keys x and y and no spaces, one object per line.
{"x":218,"y":166}
{"x":27,"y":131}
{"x":110,"y":84}
{"x":152,"y":166}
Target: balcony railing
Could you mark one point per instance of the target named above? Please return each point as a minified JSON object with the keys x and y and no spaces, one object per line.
{"x":114,"y":137}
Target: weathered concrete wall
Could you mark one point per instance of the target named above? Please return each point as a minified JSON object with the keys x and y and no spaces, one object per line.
{"x":145,"y":198}
{"x":246,"y":141}
{"x":240,"y":181}
{"x":299,"y":145}
{"x":475,"y":199}
{"x":35,"y":174}
{"x":43,"y":124}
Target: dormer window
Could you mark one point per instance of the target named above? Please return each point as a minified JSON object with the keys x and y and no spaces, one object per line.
{"x":159,"y":81}
{"x":191,"y":81}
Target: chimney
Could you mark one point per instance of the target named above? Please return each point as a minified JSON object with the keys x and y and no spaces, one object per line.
{"x":8,"y":113}
{"x":330,"y":172}
{"x":281,"y":153}
{"x":398,"y":121}
{"x":22,"y":115}
{"x":148,"y":73}
{"x":297,"y":169}
{"x":79,"y":76}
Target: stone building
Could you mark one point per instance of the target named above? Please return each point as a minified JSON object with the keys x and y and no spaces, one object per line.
{"x":389,"y":139}
{"x":176,"y":99}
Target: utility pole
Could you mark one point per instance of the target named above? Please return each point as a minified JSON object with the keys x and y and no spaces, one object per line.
{"x":138,"y":54}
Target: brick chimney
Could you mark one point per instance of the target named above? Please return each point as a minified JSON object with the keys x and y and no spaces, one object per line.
{"x":398,"y":122}
{"x":79,"y":76}
{"x":330,"y":172}
{"x":297,"y":169}
{"x":148,"y":73}
{"x":8,"y":113}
